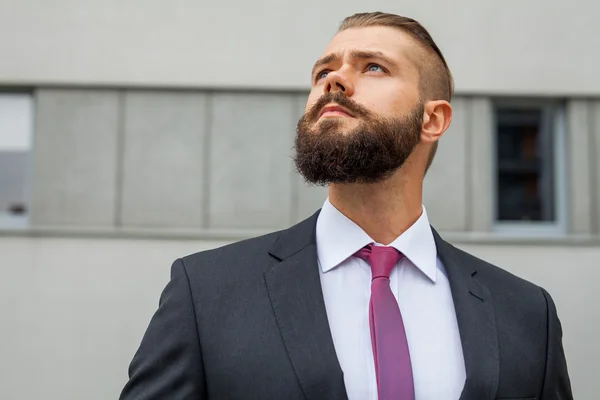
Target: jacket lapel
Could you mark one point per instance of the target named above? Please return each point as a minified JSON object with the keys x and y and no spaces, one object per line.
{"x":296,"y":296}
{"x":476,"y":322}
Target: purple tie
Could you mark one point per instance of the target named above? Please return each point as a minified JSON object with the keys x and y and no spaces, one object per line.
{"x":390,"y":347}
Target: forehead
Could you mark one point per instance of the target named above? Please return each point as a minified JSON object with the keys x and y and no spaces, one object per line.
{"x":394,"y":43}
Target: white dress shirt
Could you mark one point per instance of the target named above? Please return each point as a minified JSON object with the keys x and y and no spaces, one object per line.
{"x":420,"y":285}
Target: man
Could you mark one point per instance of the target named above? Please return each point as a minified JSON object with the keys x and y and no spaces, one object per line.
{"x":363,"y":300}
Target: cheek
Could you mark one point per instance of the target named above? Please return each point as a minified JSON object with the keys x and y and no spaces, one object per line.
{"x":390,"y":103}
{"x":388,"y":97}
{"x":381,"y":106}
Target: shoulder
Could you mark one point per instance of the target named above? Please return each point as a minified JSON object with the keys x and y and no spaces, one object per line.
{"x":229,"y":274}
{"x":253,"y":255}
{"x":494,"y":273}
{"x":521,"y":308}
{"x":241,"y":252}
{"x":504,"y":287}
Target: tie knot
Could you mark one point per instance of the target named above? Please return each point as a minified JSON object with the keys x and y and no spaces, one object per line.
{"x":382,"y":259}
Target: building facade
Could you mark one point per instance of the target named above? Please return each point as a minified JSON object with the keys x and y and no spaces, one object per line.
{"x":134,"y":133}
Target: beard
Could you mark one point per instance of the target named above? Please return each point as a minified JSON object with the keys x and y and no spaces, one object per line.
{"x":369,"y":153}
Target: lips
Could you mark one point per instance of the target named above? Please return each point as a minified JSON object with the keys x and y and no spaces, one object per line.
{"x":335,"y":110}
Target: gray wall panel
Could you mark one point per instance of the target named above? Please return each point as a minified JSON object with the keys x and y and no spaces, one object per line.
{"x":164,"y":155}
{"x":595,"y":166}
{"x":445,"y":186}
{"x":488,"y":44}
{"x":250,"y":170}
{"x":481,"y":190}
{"x":75,"y":157}
{"x":579,"y":166}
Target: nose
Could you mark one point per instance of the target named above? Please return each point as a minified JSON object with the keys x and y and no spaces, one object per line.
{"x":338,"y":82}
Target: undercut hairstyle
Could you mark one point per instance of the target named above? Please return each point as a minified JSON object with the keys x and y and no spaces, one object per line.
{"x":435,"y":78}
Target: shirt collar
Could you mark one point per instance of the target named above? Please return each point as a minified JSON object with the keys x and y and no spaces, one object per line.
{"x":338,"y":238}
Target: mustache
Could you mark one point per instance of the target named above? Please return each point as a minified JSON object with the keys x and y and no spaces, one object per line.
{"x":340,"y":99}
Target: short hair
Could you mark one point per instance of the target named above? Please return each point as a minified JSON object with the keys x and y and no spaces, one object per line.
{"x":435,"y":78}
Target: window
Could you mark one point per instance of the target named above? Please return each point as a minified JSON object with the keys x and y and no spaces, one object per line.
{"x":15,"y":150}
{"x":528,"y":172}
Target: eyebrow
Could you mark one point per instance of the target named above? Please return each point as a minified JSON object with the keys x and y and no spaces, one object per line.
{"x":354,"y":55}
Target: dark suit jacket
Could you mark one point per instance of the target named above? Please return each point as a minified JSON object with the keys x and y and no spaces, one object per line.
{"x":248,"y":321}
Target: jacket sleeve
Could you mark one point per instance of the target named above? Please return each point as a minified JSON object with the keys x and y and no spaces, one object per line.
{"x":557,"y":385}
{"x":168,"y":363}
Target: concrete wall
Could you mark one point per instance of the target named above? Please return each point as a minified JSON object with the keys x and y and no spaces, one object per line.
{"x":162,"y":188}
{"x":493,"y":47}
{"x":76,"y":157}
{"x":209,"y":160}
{"x":162,"y":159}
{"x":74,"y":310}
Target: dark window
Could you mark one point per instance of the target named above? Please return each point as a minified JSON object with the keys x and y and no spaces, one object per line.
{"x":525,"y":164}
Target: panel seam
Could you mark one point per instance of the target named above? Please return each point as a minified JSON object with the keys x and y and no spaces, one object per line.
{"x":120,"y":159}
{"x":468,"y":163}
{"x":206,"y":159}
{"x":593,"y":178}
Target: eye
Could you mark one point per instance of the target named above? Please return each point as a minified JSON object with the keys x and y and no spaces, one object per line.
{"x":375,"y":68}
{"x":321,"y":75}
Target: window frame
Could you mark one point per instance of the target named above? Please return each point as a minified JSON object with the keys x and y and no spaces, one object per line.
{"x":22,"y":222}
{"x":554,"y":119}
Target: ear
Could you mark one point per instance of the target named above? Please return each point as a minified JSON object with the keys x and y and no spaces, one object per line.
{"x":437,"y":116}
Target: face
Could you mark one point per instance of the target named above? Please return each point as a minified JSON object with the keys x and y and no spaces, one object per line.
{"x":364,"y":114}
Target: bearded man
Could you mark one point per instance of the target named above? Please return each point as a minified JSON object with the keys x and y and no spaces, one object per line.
{"x":363,"y":300}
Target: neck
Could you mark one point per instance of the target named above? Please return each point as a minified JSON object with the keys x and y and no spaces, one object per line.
{"x":384,"y":210}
